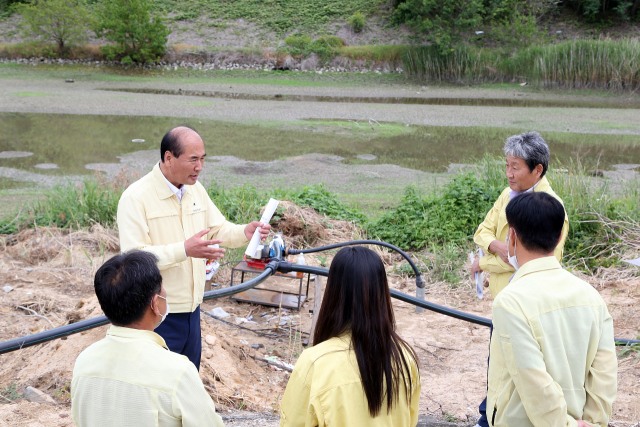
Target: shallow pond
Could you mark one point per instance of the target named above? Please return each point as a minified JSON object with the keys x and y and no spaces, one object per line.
{"x":67,"y":144}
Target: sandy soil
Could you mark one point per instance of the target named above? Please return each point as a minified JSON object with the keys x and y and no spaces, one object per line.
{"x":50,"y":273}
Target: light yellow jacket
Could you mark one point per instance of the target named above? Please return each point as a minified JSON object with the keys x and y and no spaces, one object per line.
{"x":495,"y":227}
{"x":131,"y":379}
{"x":325,"y":389}
{"x":151,"y":218}
{"x":553,"y":357}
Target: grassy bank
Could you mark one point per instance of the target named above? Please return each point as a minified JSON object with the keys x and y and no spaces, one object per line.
{"x":604,"y":224}
{"x":577,"y":64}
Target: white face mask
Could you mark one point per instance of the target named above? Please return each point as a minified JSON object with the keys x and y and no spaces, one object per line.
{"x":513,"y":260}
{"x":164,"y":316}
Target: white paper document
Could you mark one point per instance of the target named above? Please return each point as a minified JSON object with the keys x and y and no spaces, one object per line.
{"x":269,"y":209}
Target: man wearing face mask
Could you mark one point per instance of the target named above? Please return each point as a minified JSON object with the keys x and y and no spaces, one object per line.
{"x":130,"y":378}
{"x":527,"y":160}
{"x":553,"y":358}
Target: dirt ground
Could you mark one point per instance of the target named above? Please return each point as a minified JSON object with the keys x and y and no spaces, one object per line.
{"x":246,"y":355}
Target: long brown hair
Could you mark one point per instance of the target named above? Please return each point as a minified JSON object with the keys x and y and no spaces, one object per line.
{"x":357,"y":300}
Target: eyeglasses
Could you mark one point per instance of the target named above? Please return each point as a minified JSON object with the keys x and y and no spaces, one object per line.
{"x":164,"y":298}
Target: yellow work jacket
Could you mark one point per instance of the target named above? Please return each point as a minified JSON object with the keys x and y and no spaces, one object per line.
{"x":553,"y":357}
{"x":325,"y":389}
{"x":495,"y":227}
{"x":152,"y":218}
{"x":131,"y":379}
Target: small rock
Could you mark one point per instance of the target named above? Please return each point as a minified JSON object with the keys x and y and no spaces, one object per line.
{"x":7,"y":288}
{"x":284,"y":320}
{"x":32,"y":394}
{"x":219,"y":313}
{"x":69,"y":80}
{"x":211,"y":340}
{"x":257,"y":346}
{"x":208,"y":354}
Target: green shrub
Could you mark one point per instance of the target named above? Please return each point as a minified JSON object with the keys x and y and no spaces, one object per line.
{"x":449,"y":217}
{"x":404,"y":225}
{"x":138,"y":35}
{"x":298,"y":44}
{"x":357,"y":22}
{"x":239,"y":205}
{"x":444,"y":23}
{"x":324,"y":202}
{"x":326,"y":47}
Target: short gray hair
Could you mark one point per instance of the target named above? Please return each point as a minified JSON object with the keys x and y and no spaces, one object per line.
{"x":531,"y":148}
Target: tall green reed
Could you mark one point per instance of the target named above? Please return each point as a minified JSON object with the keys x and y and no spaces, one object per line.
{"x":576,"y":64}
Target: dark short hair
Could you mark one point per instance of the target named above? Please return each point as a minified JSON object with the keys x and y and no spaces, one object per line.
{"x":537,"y":218}
{"x":125,"y":285}
{"x":171,"y":141}
{"x":530,"y":147}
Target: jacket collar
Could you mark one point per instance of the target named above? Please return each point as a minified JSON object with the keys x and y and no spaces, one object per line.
{"x":537,"y":265}
{"x":137,"y":334}
{"x":160,"y":184}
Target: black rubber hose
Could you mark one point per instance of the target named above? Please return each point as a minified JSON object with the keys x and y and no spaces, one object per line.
{"x":52,"y":334}
{"x":270,"y":269}
{"x":286,"y":267}
{"x":420,"y":283}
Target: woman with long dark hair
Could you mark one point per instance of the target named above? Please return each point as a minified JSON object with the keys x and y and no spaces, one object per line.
{"x":359,"y":371}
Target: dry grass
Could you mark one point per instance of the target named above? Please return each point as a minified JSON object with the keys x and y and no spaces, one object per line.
{"x":304,"y":227}
{"x":45,"y":244}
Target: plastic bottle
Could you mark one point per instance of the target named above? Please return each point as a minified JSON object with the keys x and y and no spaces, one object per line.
{"x":300,"y":261}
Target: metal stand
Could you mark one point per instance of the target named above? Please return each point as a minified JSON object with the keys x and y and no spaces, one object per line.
{"x":266,"y":296}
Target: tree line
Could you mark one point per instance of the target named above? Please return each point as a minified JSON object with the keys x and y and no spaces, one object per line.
{"x":136,"y":31}
{"x":136,"y":34}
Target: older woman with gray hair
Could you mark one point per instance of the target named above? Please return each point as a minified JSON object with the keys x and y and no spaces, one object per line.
{"x":527,"y":161}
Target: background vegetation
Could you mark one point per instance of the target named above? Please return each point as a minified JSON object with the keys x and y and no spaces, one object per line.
{"x":460,"y":42}
{"x":438,"y":227}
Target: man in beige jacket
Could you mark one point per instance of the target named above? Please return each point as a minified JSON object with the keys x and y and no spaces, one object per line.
{"x":130,"y":378}
{"x":553,"y":357}
{"x":170,"y":214}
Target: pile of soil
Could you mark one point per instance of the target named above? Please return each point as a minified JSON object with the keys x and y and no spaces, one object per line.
{"x":247,"y":355}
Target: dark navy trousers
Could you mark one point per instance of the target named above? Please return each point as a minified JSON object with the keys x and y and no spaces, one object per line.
{"x":181,"y":332}
{"x":482,"y":408}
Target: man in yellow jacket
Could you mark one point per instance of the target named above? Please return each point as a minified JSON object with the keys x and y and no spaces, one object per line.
{"x":170,"y":214}
{"x":553,"y":358}
{"x":130,"y":378}
{"x":527,"y":160}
